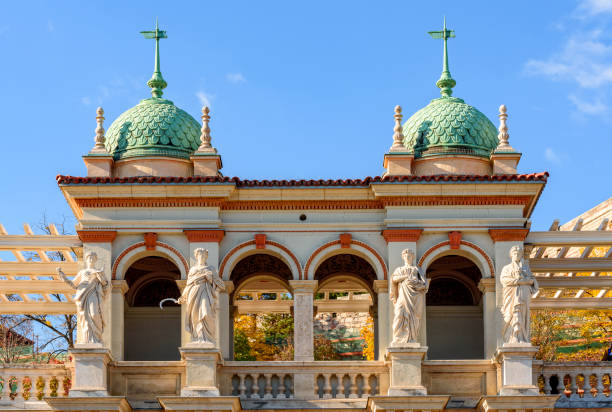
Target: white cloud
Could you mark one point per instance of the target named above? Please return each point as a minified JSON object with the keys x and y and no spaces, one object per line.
{"x":50,"y":25}
{"x":594,"y":7}
{"x":86,"y":100}
{"x":595,"y":107}
{"x":552,"y":156}
{"x":204,"y":98}
{"x":235,"y":78}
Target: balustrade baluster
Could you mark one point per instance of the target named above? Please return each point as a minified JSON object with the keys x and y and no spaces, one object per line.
{"x":366,"y":386}
{"x":281,"y":387}
{"x":353,"y":389}
{"x":547,"y":387}
{"x":599,"y":383}
{"x":242,"y":385}
{"x":327,"y":386}
{"x":586,"y":385}
{"x":570,"y":387}
{"x":268,"y":388}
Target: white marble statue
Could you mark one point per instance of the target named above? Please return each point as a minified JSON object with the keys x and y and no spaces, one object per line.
{"x":90,"y":284}
{"x":200,"y":297}
{"x":519,"y":285}
{"x":408,"y":288}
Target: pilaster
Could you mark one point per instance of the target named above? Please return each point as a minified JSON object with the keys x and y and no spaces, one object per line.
{"x":118,"y":291}
{"x":487,"y":287}
{"x":303,"y":313}
{"x":381,"y":288}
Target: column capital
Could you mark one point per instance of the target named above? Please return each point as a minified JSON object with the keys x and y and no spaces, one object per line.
{"x":511,"y":234}
{"x":381,"y":286}
{"x":486,"y":285}
{"x":204,"y":235}
{"x":303,"y":286}
{"x":402,"y":235}
{"x":97,"y":236}
{"x":119,"y":286}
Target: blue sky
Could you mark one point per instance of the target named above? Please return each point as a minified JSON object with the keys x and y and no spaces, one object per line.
{"x":305,"y":89}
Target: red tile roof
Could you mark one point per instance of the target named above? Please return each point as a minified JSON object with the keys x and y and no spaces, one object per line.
{"x":74,"y":180}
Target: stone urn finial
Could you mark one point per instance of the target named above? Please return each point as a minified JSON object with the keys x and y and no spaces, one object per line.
{"x":99,"y":138}
{"x":398,"y":135}
{"x":503,"y":135}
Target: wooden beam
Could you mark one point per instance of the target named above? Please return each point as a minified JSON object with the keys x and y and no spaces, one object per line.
{"x":571,"y":303}
{"x":570,"y":238}
{"x":35,"y":286}
{"x":37,"y":268}
{"x":581,"y":282}
{"x":565,"y":265}
{"x":32,"y":242}
{"x":37,"y":308}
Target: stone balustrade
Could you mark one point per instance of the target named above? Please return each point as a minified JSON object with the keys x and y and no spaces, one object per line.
{"x":304,"y":380}
{"x":578,"y":383}
{"x":21,"y":383}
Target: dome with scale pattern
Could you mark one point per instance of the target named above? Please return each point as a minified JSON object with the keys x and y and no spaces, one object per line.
{"x":154,"y":127}
{"x":449,"y":126}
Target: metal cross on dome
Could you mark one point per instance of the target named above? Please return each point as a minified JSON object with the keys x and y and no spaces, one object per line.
{"x":157,"y":82}
{"x":446,"y":82}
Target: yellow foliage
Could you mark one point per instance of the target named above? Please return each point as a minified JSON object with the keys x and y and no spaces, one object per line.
{"x":367,"y":331}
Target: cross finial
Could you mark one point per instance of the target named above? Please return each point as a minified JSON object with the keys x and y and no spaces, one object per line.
{"x":157,"y":82}
{"x":446,"y":82}
{"x":99,"y":138}
{"x":398,"y":135}
{"x":503,"y":135}
{"x":205,"y":137}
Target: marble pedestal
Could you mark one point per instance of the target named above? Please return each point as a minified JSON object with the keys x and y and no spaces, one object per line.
{"x":517,"y":376}
{"x":201,"y":362}
{"x":406,"y":378}
{"x":90,"y":370}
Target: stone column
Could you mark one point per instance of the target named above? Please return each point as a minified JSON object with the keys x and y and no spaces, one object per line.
{"x":225,"y":322}
{"x":118,"y":291}
{"x":381,"y":288}
{"x":303,"y":313}
{"x":487,"y":287}
{"x":397,"y":241}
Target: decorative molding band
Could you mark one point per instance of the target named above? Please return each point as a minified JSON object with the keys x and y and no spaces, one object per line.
{"x":462,"y":242}
{"x":252,"y":242}
{"x":402,"y":235}
{"x":203,"y":235}
{"x":148,"y":202}
{"x":97,"y":236}
{"x":141,"y":244}
{"x":353,"y":242}
{"x":508,"y":234}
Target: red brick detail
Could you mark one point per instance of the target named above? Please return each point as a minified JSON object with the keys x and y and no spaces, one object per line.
{"x":345,"y":240}
{"x":198,"y":235}
{"x":463,"y":242}
{"x":260,"y":241}
{"x":252,"y":242}
{"x":150,"y":239}
{"x":353,"y":242}
{"x":97,"y":236}
{"x":402,"y":235}
{"x":140,"y":244}
{"x":508,"y":234}
{"x":454,"y":239}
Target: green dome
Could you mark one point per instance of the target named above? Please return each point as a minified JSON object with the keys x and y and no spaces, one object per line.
{"x":154,"y":127}
{"x":449,"y":126}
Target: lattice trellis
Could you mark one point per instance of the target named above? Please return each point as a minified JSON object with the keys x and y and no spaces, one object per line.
{"x":29,"y":283}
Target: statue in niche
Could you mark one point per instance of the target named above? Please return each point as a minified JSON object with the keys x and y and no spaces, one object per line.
{"x":408,"y":288}
{"x":90,"y":284}
{"x":200,"y":297}
{"x":519,"y":285}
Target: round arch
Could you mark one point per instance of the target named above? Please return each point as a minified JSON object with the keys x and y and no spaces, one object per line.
{"x":466,"y":249}
{"x":138,"y":251}
{"x":249,"y":248}
{"x":335,"y":248}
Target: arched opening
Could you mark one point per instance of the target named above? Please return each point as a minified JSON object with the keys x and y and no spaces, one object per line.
{"x":262,"y":304}
{"x":454,"y":309}
{"x":150,"y":333}
{"x":345,"y":307}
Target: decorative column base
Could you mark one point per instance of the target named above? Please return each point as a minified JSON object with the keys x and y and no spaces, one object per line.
{"x":504,"y":162}
{"x":406,"y":378}
{"x":398,"y":164}
{"x":201,"y":360}
{"x":206,"y":163}
{"x":90,"y":370}
{"x":516,"y":363}
{"x":99,"y":165}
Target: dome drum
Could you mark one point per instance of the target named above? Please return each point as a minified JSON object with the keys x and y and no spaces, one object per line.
{"x":153,"y":166}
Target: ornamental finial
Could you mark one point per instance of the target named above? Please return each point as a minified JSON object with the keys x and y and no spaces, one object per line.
{"x":99,"y":138}
{"x":157,"y":82}
{"x":446,"y":82}
{"x":205,"y":137}
{"x":398,"y":135}
{"x":503,"y":135}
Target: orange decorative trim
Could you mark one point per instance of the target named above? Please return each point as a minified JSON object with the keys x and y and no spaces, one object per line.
{"x":252,"y":242}
{"x":140,"y":244}
{"x":97,"y":236}
{"x":454,"y":238}
{"x":150,"y":238}
{"x":345,"y":240}
{"x":118,"y":202}
{"x":353,"y":242}
{"x":260,"y":241}
{"x":508,"y":234}
{"x":463,"y":242}
{"x":402,"y":235}
{"x":202,"y":235}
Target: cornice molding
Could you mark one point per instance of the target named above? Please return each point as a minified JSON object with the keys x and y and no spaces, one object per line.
{"x":508,"y":234}
{"x":204,"y":235}
{"x":402,"y":235}
{"x":97,"y":236}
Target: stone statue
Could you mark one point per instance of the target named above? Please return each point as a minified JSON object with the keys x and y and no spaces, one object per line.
{"x":200,"y":295}
{"x":408,"y":288}
{"x":90,"y":284}
{"x":519,"y":284}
